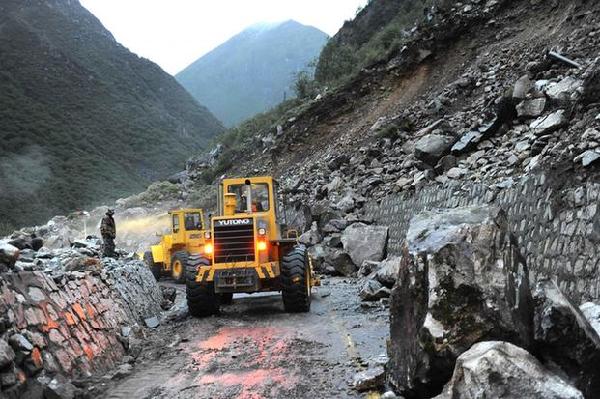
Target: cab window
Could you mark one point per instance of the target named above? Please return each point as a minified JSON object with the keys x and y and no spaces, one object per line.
{"x":175,"y":223}
{"x":259,"y":197}
{"x":193,"y":221}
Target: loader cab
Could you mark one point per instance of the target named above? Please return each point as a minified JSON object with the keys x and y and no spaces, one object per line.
{"x":187,"y":225}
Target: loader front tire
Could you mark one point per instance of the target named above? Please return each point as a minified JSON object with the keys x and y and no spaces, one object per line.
{"x":201,"y":298}
{"x":155,"y":268}
{"x":295,"y":281}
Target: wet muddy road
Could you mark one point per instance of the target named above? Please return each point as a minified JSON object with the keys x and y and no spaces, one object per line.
{"x":254,"y":350}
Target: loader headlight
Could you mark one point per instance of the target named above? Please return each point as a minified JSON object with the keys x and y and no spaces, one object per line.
{"x":208,"y":248}
{"x":207,"y":235}
{"x":262,"y":231}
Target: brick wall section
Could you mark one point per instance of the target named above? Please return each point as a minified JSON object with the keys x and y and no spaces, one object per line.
{"x":73,"y":321}
{"x":558,"y":228}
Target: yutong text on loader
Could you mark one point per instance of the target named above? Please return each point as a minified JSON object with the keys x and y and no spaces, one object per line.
{"x":252,"y":251}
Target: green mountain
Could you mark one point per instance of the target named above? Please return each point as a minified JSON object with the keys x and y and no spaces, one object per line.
{"x":251,"y":72}
{"x":82,"y":119}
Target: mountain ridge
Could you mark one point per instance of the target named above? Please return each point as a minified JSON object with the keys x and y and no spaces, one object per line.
{"x":250,"y":72}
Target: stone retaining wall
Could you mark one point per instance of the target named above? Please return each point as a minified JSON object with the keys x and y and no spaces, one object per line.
{"x":558,"y":228}
{"x":70,"y":323}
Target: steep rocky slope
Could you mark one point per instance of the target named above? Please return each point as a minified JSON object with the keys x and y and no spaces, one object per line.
{"x":478,"y":75}
{"x":83,"y":120}
{"x":251,"y":72}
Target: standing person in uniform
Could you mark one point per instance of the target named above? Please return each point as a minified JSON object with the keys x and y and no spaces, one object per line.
{"x":108,"y":230}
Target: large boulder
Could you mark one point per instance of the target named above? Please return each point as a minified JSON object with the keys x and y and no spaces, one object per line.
{"x":432,"y":147}
{"x":461,"y":280}
{"x":564,"y":338}
{"x":502,"y":370}
{"x":363,"y":242}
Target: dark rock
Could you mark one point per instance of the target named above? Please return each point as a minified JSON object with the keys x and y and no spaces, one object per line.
{"x":373,"y":290}
{"x":337,"y":162}
{"x":387,"y":272}
{"x":7,"y":355}
{"x":565,"y":338}
{"x":368,"y":267}
{"x":462,"y":280}
{"x":59,"y":388}
{"x":312,"y":236}
{"x":502,"y":370}
{"x":341,"y":262}
{"x":8,"y":254}
{"x":446,"y":163}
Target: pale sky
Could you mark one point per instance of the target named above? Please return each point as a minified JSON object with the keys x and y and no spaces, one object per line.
{"x":174,"y":33}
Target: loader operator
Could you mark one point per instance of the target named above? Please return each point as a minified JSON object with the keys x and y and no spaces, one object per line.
{"x":108,"y":230}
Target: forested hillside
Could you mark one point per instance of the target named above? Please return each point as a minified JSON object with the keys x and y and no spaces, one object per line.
{"x":82,"y":119}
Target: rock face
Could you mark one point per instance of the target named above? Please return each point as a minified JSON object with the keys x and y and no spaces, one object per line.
{"x":565,"y":338}
{"x":462,"y":280}
{"x":364,"y":242}
{"x":502,"y":370}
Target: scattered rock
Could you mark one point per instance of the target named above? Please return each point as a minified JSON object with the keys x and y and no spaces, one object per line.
{"x":312,"y":236}
{"x":373,"y":290}
{"x":531,"y":108}
{"x":152,"y":322}
{"x":549,"y":123}
{"x":502,"y":370}
{"x":370,"y":379}
{"x":59,"y":388}
{"x":565,"y":89}
{"x":432,"y":147}
{"x":387,"y":271}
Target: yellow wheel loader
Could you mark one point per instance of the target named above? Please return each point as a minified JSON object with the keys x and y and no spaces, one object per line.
{"x":253,"y":250}
{"x":188,"y":235}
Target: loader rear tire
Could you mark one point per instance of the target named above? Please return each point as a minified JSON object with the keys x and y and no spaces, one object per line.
{"x":178,"y":266}
{"x":155,"y":268}
{"x":295,"y":281}
{"x":201,"y":298}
